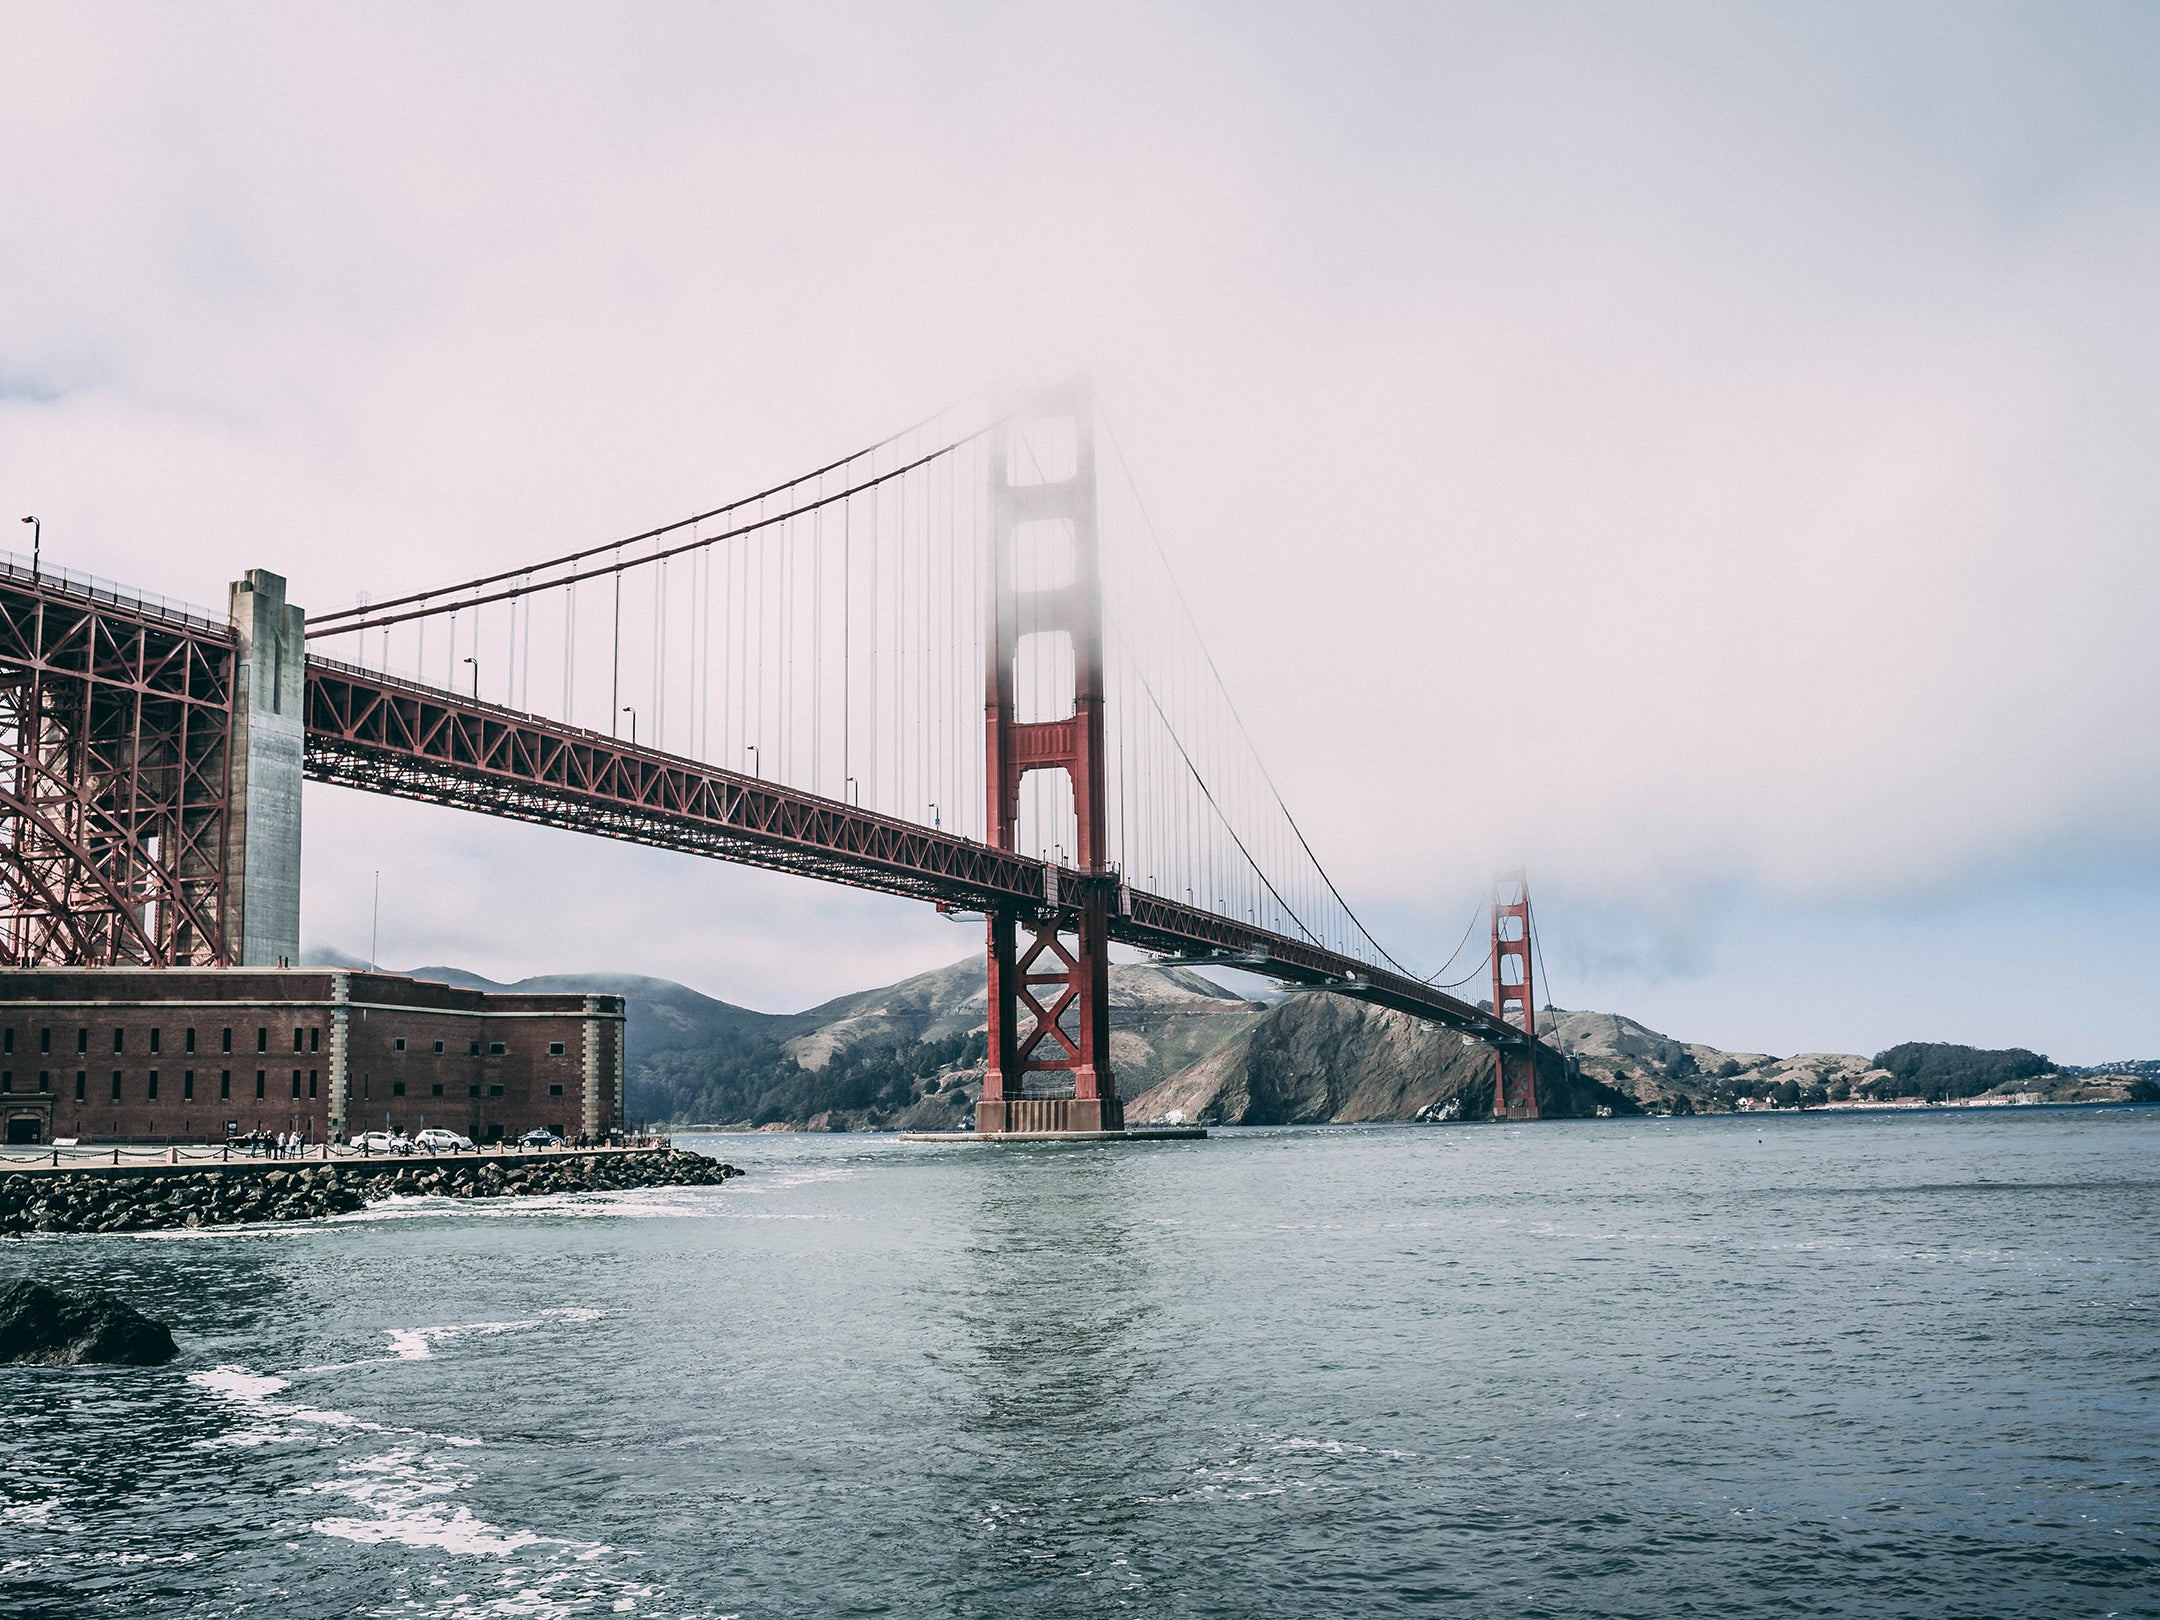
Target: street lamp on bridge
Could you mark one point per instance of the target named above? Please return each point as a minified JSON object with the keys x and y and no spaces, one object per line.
{"x":37,"y":540}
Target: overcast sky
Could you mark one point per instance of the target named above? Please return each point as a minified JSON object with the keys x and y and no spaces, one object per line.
{"x":1703,"y":453}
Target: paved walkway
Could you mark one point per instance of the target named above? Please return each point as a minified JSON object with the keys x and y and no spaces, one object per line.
{"x":219,"y":1156}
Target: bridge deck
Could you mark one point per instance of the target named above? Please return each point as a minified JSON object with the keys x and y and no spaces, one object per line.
{"x":382,"y":734}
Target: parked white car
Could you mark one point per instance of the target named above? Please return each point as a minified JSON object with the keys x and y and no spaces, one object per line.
{"x":435,"y":1141}
{"x":381,"y":1142}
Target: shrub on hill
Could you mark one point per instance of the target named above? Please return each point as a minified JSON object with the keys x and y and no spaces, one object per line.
{"x":1940,"y":1072}
{"x":887,"y":1079}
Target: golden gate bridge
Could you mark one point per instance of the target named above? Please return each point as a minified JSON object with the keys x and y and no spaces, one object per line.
{"x":953,"y":666}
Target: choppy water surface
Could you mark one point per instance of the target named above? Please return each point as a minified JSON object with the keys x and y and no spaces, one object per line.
{"x":1850,"y":1366}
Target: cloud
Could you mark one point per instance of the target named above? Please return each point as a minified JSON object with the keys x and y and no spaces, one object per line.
{"x":1691,"y":453}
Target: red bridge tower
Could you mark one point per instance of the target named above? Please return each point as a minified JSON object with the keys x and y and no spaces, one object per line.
{"x":1514,"y":1062}
{"x":1046,"y":581}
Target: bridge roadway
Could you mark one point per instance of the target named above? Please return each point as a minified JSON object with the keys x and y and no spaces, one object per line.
{"x":381,"y":734}
{"x":141,"y":658}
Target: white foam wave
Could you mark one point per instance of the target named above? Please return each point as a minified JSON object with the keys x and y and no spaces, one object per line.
{"x":277,"y":1422}
{"x":418,"y":1344}
{"x":408,"y":1495}
{"x":674,"y":1203}
{"x":239,"y":1383}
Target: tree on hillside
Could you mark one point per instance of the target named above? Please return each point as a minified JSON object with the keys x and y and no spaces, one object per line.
{"x":1939,"y":1072}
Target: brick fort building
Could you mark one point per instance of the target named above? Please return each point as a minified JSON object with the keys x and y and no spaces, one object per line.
{"x":196,"y":1054}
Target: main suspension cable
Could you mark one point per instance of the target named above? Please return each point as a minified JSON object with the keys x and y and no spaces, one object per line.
{"x":578,"y":556}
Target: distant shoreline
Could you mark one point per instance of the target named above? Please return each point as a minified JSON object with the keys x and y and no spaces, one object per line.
{"x":1903,"y":1107}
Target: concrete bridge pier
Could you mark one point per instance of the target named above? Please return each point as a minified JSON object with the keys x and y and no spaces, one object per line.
{"x":262,"y":865}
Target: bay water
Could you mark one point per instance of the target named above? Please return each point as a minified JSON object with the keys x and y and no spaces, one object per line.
{"x":1824,"y":1365}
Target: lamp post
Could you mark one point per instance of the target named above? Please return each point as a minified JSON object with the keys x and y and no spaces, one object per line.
{"x":632,"y":713}
{"x":751,"y":750}
{"x":475,"y":678}
{"x":37,"y":541}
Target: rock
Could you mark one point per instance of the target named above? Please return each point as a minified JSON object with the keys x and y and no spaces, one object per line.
{"x":43,"y":1326}
{"x":83,"y":1203}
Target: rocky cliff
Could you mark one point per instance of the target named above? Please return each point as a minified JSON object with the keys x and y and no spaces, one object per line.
{"x":1315,"y":1058}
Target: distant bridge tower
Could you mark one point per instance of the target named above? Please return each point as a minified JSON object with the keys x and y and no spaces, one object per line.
{"x":1045,"y":585}
{"x":1514,"y":1000}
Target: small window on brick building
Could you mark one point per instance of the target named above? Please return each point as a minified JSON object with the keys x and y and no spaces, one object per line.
{"x":7,"y":1041}
{"x":495,"y":1091}
{"x":262,"y":1039}
{"x":475,"y":1048}
{"x":437,"y":1088}
{"x":438,"y":1048}
{"x":44,"y":1041}
{"x":189,"y":1043}
{"x":314,"y":1040}
{"x":44,"y":1079}
{"x":82,"y":1040}
{"x":397,"y":1088}
{"x":555,"y":1048}
{"x":82,"y":1080}
{"x":398,"y":1045}
{"x":119,"y":1040}
{"x":298,"y":1035}
{"x":7,"y":1079}
{"x":153,"y":1043}
{"x":187,"y":1086}
{"x":296,"y":1082}
{"x":555,"y":1090}
{"x":496,"y":1049}
{"x":472,"y":1091}
{"x":227,"y":1047}
{"x":224,"y":1083}
{"x":260,"y":1080}
{"x":116,"y":1085}
{"x":151,"y":1093}
{"x":311,"y":1074}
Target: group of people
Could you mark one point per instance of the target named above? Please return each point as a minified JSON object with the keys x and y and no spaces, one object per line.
{"x":274,"y":1145}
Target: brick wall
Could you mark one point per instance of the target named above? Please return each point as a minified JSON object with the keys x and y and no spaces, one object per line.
{"x":181,"y":1054}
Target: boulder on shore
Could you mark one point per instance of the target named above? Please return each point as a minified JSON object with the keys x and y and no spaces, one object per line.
{"x":47,"y":1327}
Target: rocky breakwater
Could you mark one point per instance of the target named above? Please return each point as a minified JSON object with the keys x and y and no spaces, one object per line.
{"x":151,"y":1198}
{"x":516,"y":1177}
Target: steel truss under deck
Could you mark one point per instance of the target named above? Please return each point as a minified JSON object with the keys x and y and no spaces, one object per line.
{"x":115,"y":777}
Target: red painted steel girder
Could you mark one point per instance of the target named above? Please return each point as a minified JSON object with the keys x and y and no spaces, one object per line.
{"x":374,"y":732}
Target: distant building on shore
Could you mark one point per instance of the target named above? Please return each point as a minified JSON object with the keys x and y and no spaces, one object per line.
{"x":197,"y":1054}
